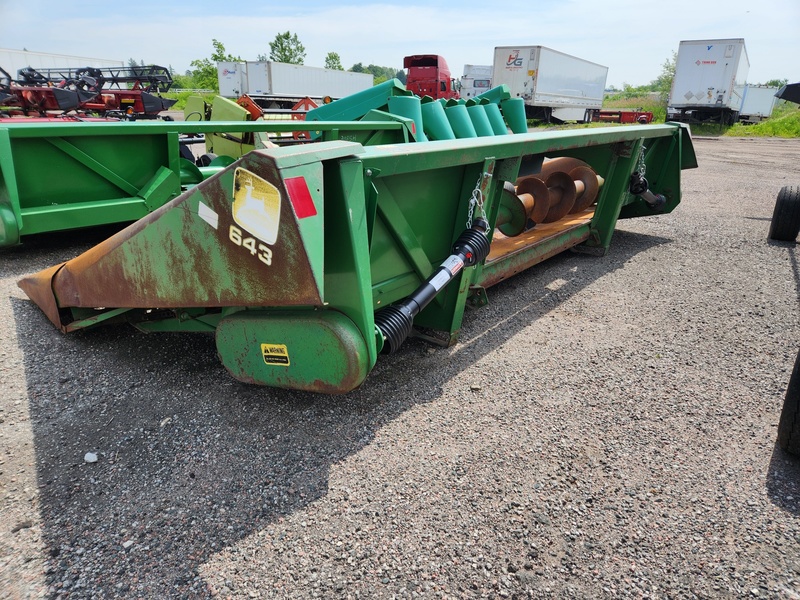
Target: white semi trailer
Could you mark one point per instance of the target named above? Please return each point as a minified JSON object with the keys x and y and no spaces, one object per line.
{"x":14,"y":60}
{"x":275,"y":85}
{"x":477,"y":79}
{"x":758,"y":101}
{"x":709,"y":81}
{"x":555,"y":86}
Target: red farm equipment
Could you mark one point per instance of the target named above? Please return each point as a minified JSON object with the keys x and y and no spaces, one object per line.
{"x":642,"y":117}
{"x":121,"y":92}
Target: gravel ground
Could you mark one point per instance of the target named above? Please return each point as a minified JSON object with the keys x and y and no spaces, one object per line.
{"x":605,"y":428}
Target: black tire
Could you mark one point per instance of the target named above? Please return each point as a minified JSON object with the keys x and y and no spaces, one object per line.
{"x":206,"y":159}
{"x":789,"y":424}
{"x":786,"y":217}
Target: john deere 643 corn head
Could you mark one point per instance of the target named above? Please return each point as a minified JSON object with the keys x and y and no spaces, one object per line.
{"x":308,"y":261}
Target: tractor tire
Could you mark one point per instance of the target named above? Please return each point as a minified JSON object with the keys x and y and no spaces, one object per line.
{"x":789,"y":424}
{"x":786,"y":217}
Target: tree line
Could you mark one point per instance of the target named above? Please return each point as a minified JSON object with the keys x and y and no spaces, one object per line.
{"x":285,"y":48}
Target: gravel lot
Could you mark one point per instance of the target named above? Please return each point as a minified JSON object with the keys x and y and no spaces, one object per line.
{"x":605,"y":428}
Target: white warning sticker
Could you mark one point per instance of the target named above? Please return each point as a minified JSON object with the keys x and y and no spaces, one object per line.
{"x":439,"y":280}
{"x":208,"y":214}
{"x":453,"y":264}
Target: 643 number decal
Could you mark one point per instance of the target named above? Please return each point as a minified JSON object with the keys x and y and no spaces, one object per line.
{"x":251,"y":244}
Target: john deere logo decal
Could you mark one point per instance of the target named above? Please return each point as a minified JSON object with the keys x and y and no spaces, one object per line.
{"x":256,"y":205}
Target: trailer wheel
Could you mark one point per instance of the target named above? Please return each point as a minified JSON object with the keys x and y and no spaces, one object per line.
{"x":789,"y":424}
{"x":785,"y":223}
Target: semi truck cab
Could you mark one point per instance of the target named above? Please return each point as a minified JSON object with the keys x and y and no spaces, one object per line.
{"x":429,"y":75}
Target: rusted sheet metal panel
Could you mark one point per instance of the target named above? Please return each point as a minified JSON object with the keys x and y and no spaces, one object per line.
{"x":193,"y":252}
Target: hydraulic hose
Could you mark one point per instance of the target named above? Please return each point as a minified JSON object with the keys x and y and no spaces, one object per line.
{"x":395,"y":321}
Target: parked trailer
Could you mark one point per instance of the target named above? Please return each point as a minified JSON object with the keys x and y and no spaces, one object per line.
{"x":554,"y":85}
{"x":275,"y":85}
{"x":14,"y":60}
{"x":709,"y":81}
{"x":306,"y":262}
{"x":758,"y":101}
{"x":476,"y":80}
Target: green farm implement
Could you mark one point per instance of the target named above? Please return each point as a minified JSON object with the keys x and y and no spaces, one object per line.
{"x":307,"y":261}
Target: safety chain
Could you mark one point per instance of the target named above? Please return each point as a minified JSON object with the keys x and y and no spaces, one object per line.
{"x":476,"y":199}
{"x":642,"y":166}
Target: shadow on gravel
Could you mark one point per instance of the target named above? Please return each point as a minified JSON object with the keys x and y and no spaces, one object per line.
{"x":50,"y":249}
{"x":190,"y":461}
{"x":783,"y":480}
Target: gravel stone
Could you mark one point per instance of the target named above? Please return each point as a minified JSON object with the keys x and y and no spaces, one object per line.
{"x":605,"y":427}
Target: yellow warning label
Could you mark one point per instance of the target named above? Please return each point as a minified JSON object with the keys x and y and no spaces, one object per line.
{"x":275,"y":354}
{"x":256,"y":205}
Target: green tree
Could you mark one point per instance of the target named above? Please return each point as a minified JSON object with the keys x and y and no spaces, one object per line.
{"x":332,"y":61}
{"x":204,"y":73}
{"x":380,"y":74}
{"x":286,"y":48}
{"x":663,"y":83}
{"x":182,"y":82}
{"x":776,"y":83}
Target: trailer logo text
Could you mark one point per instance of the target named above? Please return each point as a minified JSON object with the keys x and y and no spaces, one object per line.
{"x":514,"y":60}
{"x":705,"y":62}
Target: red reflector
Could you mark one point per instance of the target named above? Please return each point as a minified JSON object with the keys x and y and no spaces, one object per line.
{"x":300,"y":197}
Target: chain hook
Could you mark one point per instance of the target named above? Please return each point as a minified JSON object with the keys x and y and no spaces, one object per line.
{"x":476,"y":199}
{"x":642,"y":167}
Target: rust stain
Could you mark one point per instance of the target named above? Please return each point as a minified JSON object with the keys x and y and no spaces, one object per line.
{"x":38,"y":288}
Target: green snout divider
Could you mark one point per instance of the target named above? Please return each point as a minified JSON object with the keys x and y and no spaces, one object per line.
{"x":409,"y":106}
{"x":514,"y":112}
{"x":459,"y":120}
{"x":477,"y":114}
{"x":496,"y":119}
{"x":435,"y":122}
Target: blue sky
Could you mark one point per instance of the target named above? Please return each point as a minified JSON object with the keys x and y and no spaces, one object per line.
{"x":632,"y":38}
